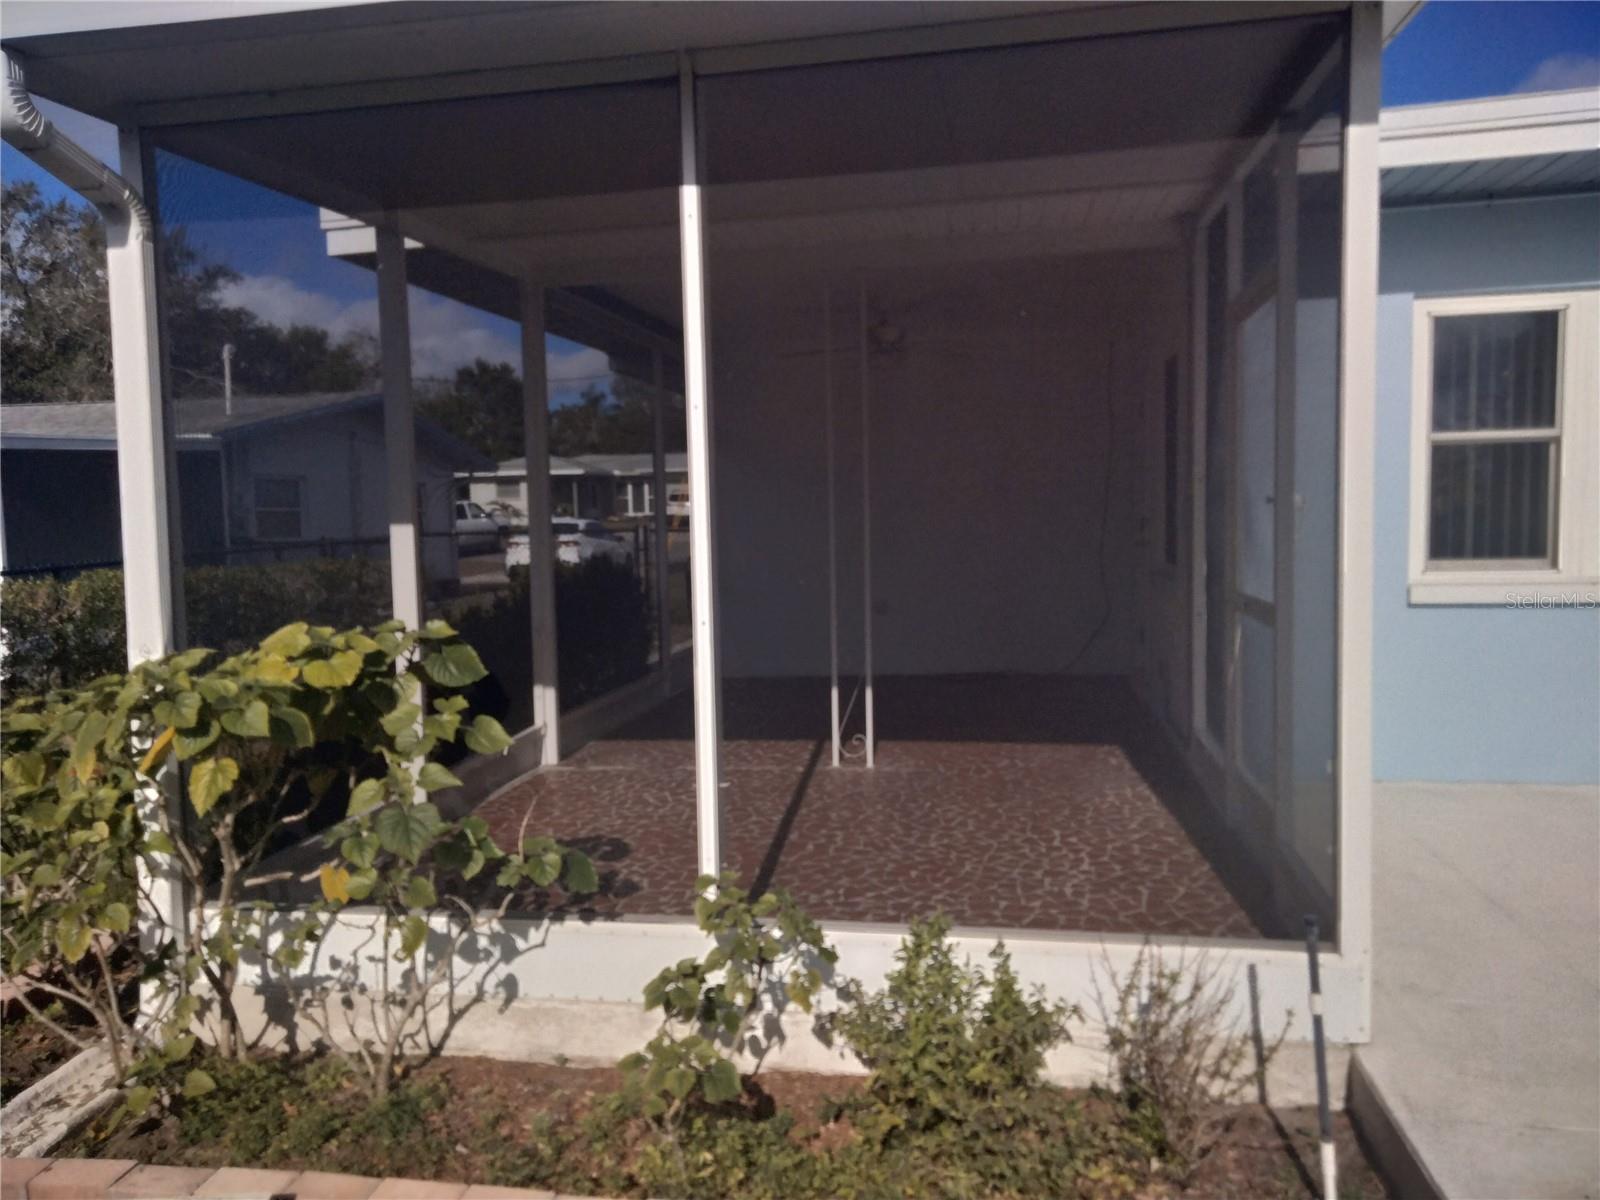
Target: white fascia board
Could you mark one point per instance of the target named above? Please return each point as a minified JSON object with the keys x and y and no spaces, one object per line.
{"x":36,"y":18}
{"x":1499,"y":127}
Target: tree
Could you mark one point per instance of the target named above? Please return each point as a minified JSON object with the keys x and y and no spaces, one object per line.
{"x":55,"y":327}
{"x":56,"y":332}
{"x":482,"y":406}
{"x":620,"y":421}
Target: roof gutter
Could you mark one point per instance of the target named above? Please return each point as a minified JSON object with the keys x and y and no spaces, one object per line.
{"x":149,"y":585}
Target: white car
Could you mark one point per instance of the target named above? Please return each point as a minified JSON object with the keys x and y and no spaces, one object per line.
{"x":576,"y":541}
{"x":476,"y":531}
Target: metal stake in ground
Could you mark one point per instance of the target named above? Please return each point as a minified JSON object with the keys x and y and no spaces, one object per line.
{"x":1330,"y":1163}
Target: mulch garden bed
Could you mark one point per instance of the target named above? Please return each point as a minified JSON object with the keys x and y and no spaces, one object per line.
{"x":568,"y":1128}
{"x":29,"y":1050}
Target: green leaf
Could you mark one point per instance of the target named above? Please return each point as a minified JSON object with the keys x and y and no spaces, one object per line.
{"x":434,"y":776}
{"x":436,"y":629}
{"x":179,"y":1048}
{"x":288,"y":641}
{"x":404,"y":717}
{"x":209,"y":781}
{"x":198,"y":1083}
{"x":181,"y":711}
{"x":486,"y":736}
{"x":361,"y":850}
{"x":455,"y":665}
{"x":413,"y":932}
{"x":406,"y":830}
{"x":252,"y":721}
{"x":337,"y":671}
{"x":116,"y":917}
{"x":73,"y":938}
{"x":296,"y":726}
{"x":366,"y":796}
{"x":272,"y":669}
{"x":85,"y":745}
{"x":721,"y":1082}
{"x":578,"y":874}
{"x":187,"y":744}
{"x":140,"y":1099}
{"x":419,"y":892}
{"x":361,"y":883}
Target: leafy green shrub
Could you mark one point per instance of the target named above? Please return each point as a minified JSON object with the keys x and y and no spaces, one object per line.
{"x":63,"y":633}
{"x":71,"y":839}
{"x":1178,"y":1055}
{"x":263,"y":739}
{"x":765,"y":954}
{"x":956,"y":1095}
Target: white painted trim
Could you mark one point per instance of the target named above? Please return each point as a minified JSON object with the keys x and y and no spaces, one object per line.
{"x":865,"y":354}
{"x":1500,"y":127}
{"x":399,"y":428}
{"x":541,"y":548}
{"x":658,"y":517}
{"x":833,"y":525}
{"x":702,"y":511}
{"x":1358,"y":383}
{"x":1576,"y":570}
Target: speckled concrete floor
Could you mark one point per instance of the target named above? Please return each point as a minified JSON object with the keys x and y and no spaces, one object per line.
{"x":1014,"y":802}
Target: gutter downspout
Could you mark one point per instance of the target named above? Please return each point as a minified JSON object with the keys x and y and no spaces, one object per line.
{"x":135,"y":360}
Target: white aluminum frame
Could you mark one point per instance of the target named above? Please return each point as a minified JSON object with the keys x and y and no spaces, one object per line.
{"x":702,"y":522}
{"x":1573,"y":572}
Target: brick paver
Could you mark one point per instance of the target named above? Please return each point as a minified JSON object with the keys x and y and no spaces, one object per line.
{"x":244,"y":1183}
{"x":418,"y":1189}
{"x":1030,"y":802}
{"x":76,"y":1178}
{"x":325,"y":1185}
{"x":15,"y":1173}
{"x":160,"y":1183}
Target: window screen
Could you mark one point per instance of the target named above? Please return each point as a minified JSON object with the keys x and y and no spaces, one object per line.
{"x":1494,"y":436}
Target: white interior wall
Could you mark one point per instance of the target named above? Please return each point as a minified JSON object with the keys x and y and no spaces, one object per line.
{"x":1015,"y":390}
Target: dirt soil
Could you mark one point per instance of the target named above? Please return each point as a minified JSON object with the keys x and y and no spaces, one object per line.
{"x":1264,"y":1154}
{"x":28,"y":1052}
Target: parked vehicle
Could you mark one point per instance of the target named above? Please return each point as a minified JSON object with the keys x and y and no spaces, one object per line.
{"x":575,"y":542}
{"x":476,"y":531}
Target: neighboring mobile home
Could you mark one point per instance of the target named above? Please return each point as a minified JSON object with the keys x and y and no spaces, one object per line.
{"x":1087,"y":538}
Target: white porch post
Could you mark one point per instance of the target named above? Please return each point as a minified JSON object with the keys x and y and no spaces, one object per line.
{"x":541,"y":551}
{"x":399,"y":427}
{"x":1358,"y":337}
{"x":658,"y":520}
{"x":151,"y":589}
{"x":702,"y":522}
{"x":147,"y":574}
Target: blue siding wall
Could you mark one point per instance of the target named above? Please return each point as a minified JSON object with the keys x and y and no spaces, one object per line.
{"x":1474,"y":693}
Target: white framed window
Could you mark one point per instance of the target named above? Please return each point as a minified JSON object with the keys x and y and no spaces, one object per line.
{"x":1505,"y":506}
{"x":279,"y":508}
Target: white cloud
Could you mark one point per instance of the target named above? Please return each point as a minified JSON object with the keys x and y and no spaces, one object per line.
{"x":1562,"y":71}
{"x":444,"y":335}
{"x":579,"y":367}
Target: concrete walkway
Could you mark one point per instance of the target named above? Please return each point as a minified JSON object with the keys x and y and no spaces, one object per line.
{"x":1486,"y":995}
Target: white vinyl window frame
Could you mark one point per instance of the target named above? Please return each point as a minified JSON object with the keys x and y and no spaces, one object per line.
{"x":1572,"y":574}
{"x":298,"y":509}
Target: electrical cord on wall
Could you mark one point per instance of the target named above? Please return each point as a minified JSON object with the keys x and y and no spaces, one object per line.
{"x":1105,"y":517}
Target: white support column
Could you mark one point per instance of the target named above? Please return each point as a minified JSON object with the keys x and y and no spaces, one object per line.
{"x":399,"y":427}
{"x":658,"y":520}
{"x":866,"y":535}
{"x":833,"y":523}
{"x":1358,"y":375}
{"x":147,"y":574}
{"x":702,"y":513}
{"x":541,"y":550}
{"x":152,"y":590}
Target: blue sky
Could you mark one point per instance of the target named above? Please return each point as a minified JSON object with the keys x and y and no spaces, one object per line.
{"x":1452,"y":50}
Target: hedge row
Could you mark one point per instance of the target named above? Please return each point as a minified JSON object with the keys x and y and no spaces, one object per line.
{"x":62,"y":633}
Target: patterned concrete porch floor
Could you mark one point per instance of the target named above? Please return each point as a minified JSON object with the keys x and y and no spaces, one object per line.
{"x":1018,"y":802}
